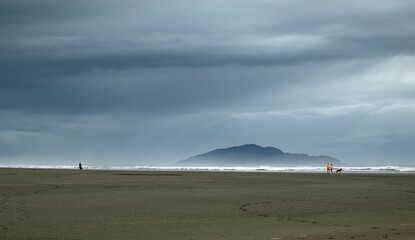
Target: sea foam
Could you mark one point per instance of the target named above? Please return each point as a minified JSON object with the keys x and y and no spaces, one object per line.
{"x":307,"y":169}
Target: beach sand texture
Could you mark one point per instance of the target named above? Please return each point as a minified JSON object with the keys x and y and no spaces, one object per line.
{"x":72,"y":204}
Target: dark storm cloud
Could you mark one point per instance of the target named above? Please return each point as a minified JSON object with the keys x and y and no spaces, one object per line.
{"x":147,"y":91}
{"x":149,"y":32}
{"x":129,"y":77}
{"x":57,"y":37}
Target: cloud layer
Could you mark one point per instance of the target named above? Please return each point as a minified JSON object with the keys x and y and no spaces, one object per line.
{"x":151,"y":82}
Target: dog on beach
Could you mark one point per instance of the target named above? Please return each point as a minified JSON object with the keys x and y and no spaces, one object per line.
{"x":339,"y":170}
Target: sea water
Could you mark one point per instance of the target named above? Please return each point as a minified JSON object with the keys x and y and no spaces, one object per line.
{"x":307,"y":169}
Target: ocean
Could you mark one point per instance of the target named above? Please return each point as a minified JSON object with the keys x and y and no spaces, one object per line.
{"x":305,"y":169}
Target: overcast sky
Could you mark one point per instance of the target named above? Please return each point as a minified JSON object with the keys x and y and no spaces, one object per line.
{"x":155,"y":81}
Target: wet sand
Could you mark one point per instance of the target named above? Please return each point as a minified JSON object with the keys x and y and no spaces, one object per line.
{"x":72,"y":204}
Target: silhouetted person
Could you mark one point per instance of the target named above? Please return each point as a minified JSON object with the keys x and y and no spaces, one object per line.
{"x":80,"y":166}
{"x":331,"y":168}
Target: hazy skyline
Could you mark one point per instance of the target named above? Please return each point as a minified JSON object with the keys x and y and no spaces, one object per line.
{"x":153,"y":82}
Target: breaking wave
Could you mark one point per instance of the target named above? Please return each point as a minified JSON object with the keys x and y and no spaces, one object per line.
{"x":372,"y":169}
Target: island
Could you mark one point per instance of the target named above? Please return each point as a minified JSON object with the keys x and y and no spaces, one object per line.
{"x":253,"y":155}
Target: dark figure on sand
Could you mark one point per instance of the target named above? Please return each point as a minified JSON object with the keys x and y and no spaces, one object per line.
{"x":80,"y":166}
{"x":339,"y":170}
{"x":331,"y":168}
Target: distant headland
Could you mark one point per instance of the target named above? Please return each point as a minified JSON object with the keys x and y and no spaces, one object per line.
{"x":254,"y":155}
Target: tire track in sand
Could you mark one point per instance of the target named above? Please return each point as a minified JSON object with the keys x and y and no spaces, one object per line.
{"x":245,"y":208}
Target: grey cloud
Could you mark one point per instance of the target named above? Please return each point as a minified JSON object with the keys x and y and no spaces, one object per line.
{"x":148,"y":79}
{"x":147,"y":91}
{"x":26,"y":12}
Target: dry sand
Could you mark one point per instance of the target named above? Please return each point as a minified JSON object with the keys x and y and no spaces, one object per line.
{"x":72,"y":204}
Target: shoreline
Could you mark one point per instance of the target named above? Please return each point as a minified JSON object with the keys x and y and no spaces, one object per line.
{"x":299,"y":169}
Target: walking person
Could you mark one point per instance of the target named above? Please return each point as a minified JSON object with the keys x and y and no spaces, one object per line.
{"x":328,"y":167}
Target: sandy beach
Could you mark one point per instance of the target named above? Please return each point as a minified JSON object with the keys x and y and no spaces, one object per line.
{"x":72,"y":204}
